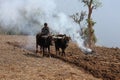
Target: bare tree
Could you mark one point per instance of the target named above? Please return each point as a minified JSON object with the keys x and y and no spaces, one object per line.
{"x":78,"y":18}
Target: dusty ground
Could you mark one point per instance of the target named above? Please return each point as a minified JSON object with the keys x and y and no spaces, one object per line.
{"x":105,"y":63}
{"x":18,"y":61}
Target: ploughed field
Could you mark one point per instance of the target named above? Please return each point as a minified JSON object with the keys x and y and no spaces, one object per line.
{"x":18,"y":61}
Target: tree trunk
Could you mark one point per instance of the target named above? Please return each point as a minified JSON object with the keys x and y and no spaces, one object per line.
{"x":89,"y":23}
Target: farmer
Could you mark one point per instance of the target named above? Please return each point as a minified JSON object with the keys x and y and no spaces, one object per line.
{"x":45,"y":30}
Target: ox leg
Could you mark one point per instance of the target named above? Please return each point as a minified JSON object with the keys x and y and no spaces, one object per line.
{"x":56,"y":50}
{"x":63,"y":52}
{"x":43,"y":51}
{"x":40,"y":48}
{"x":49,"y":51}
{"x":36,"y":48}
{"x":59,"y":51}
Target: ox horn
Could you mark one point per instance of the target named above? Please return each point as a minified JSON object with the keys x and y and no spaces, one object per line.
{"x":64,"y":36}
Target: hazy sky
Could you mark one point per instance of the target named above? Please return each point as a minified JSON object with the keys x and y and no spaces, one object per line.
{"x":107,"y":18}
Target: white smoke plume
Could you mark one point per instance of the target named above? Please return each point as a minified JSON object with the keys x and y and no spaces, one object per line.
{"x":28,"y":16}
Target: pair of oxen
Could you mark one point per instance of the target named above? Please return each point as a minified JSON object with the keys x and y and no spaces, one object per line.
{"x":59,"y":41}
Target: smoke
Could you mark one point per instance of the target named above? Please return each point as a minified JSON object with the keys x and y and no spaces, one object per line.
{"x":28,"y":16}
{"x":25,"y":15}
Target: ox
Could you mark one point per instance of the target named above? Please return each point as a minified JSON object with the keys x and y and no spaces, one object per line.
{"x":44,"y":42}
{"x":61,"y":42}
